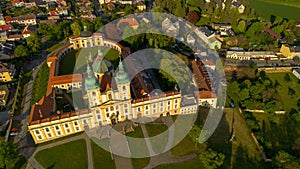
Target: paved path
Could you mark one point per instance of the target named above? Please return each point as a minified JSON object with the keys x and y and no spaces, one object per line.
{"x":33,"y":164}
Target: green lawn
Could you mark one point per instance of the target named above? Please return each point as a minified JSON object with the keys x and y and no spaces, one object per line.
{"x":187,"y":147}
{"x":290,"y":102}
{"x":294,"y":3}
{"x":71,"y":155}
{"x":137,"y":146}
{"x":40,"y":83}
{"x":158,"y":141}
{"x":193,"y":163}
{"x":278,"y":8}
{"x":101,"y":158}
{"x":75,"y":61}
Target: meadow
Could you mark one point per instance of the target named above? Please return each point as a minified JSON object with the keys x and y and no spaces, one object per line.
{"x":284,"y":9}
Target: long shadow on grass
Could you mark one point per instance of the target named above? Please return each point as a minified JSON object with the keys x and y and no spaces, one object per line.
{"x":242,"y":160}
{"x":219,"y":141}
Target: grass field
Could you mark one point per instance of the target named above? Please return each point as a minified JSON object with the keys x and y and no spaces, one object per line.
{"x":101,"y":158}
{"x":285,"y":9}
{"x":71,"y":155}
{"x":294,"y":3}
{"x":40,"y":83}
{"x":289,"y":102}
{"x":77,"y":59}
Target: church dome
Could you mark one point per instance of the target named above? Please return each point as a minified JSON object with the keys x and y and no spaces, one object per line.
{"x":85,"y":32}
{"x":91,"y":82}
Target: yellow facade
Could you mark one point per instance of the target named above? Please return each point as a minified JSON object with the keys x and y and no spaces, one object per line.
{"x":5,"y":77}
{"x":287,"y":52}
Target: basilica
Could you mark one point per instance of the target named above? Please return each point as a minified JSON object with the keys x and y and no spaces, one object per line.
{"x":109,"y":97}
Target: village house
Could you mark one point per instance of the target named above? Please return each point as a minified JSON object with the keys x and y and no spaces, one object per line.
{"x":7,"y":71}
{"x":252,"y":55}
{"x":4,"y":92}
{"x":290,"y":51}
{"x":296,"y":72}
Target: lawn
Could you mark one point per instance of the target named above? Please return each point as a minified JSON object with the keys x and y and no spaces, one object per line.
{"x":137,"y":147}
{"x":71,"y":155}
{"x":289,"y":101}
{"x":137,"y":163}
{"x":277,"y":8}
{"x":294,"y":3}
{"x":101,"y":158}
{"x":187,"y":147}
{"x":193,"y":163}
{"x":75,"y":61}
{"x":40,"y":83}
{"x":158,"y":141}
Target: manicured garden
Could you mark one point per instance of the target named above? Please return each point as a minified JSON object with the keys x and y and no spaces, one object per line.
{"x":40,"y":83}
{"x":70,"y":155}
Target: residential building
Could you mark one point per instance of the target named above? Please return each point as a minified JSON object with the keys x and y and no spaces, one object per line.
{"x":4,"y":92}
{"x":141,"y":6}
{"x":7,"y":72}
{"x":296,"y":72}
{"x":3,"y":36}
{"x":22,"y":20}
{"x":170,"y":28}
{"x":253,"y":55}
{"x":28,"y":30}
{"x":290,"y":51}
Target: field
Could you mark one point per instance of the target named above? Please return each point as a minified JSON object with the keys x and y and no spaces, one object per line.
{"x":40,"y":83}
{"x":285,"y":9}
{"x":70,"y":155}
{"x":77,"y":59}
{"x":289,"y":101}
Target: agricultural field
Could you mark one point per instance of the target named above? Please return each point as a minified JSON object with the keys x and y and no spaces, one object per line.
{"x":285,"y":9}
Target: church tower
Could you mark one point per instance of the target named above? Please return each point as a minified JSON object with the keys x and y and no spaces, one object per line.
{"x":123,"y":83}
{"x":92,"y":88}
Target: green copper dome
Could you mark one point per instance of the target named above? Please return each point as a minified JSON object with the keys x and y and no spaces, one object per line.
{"x":121,"y":76}
{"x":91,"y":82}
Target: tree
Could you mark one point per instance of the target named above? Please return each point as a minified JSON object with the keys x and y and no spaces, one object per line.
{"x":76,"y":28}
{"x":8,"y":153}
{"x":195,"y":133}
{"x":193,"y":17}
{"x":211,"y":159}
{"x":241,"y":26}
{"x":287,"y":77}
{"x":254,"y":29}
{"x":285,"y":161}
{"x":291,"y":92}
{"x":34,"y":42}
{"x":21,"y":51}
